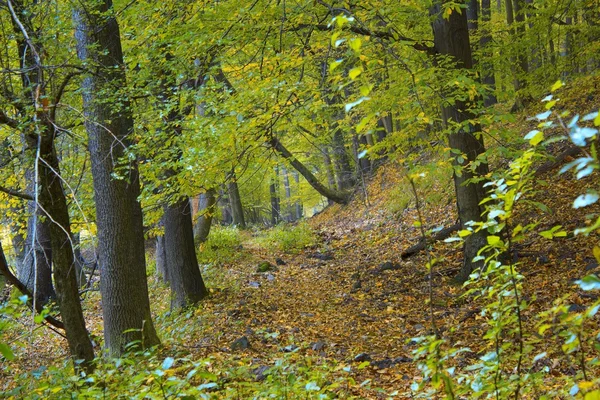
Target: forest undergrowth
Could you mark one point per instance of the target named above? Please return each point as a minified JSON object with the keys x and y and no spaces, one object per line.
{"x":335,"y":310}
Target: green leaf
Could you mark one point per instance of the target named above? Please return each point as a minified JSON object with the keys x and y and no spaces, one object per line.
{"x":6,"y":352}
{"x":557,"y":85}
{"x":168,"y":363}
{"x":590,"y":282}
{"x":493,"y":240}
{"x":354,"y":72}
{"x":534,"y":137}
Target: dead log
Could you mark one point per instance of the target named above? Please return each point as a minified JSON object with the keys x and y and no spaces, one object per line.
{"x":422,"y":244}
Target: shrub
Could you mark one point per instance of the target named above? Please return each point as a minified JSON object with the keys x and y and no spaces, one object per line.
{"x":223,"y":246}
{"x":287,"y":238}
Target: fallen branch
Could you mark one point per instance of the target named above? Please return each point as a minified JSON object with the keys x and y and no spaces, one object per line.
{"x":557,"y":161}
{"x":4,"y":270}
{"x":422,"y":244}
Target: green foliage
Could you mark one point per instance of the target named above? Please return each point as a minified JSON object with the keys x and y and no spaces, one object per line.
{"x":287,"y":238}
{"x":436,"y":178}
{"x":152,"y":375}
{"x":224,"y":246}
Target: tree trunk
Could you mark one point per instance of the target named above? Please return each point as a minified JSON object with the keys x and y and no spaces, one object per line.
{"x":54,"y":202}
{"x":161,"y":259}
{"x":124,"y":288}
{"x":53,"y":233}
{"x":225,"y":206}
{"x":298,"y":203}
{"x":329,"y":171}
{"x":36,"y":269}
{"x":289,"y":214}
{"x":451,"y":37}
{"x":237,"y":210}
{"x":341,"y":161}
{"x":487,"y":65}
{"x":274,"y":192}
{"x":187,"y":286}
{"x":206,"y":211}
{"x":335,"y":196}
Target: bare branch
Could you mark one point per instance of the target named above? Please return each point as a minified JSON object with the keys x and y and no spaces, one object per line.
{"x":15,"y":193}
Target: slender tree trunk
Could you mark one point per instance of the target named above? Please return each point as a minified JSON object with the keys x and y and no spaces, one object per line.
{"x":206,"y":211}
{"x":289,"y":214}
{"x":487,"y":64}
{"x":451,"y":37}
{"x":274,"y":191}
{"x":237,"y":210}
{"x":36,"y":269}
{"x":52,"y":206}
{"x":187,"y":286}
{"x":54,"y":202}
{"x":335,"y":196}
{"x":161,"y":259}
{"x":124,"y":288}
{"x":298,"y":203}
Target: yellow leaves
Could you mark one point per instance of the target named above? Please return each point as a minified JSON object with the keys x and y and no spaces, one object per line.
{"x":557,"y":85}
{"x":355,"y":72}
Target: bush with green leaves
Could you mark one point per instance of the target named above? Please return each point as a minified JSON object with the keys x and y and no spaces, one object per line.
{"x":287,"y":238}
{"x":150,"y":375}
{"x":514,"y":363}
{"x":222,"y":247}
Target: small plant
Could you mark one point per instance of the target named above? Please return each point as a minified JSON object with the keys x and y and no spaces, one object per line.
{"x":287,"y":238}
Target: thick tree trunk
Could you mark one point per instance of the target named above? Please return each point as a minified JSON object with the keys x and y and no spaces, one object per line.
{"x":124,"y":288}
{"x":451,"y":37}
{"x":225,"y":206}
{"x":335,"y":196}
{"x":187,"y":286}
{"x":206,"y":211}
{"x":341,"y":161}
{"x":237,"y":210}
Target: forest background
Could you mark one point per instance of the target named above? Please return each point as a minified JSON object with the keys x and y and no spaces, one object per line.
{"x":129,"y":129}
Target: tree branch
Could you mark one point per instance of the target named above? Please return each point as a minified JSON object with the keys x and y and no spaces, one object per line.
{"x":15,"y":193}
{"x":4,"y":270}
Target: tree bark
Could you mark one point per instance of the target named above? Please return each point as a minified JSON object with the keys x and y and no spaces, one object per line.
{"x":54,"y":202}
{"x":298,"y":204}
{"x":161,"y":259}
{"x":124,"y":288}
{"x":451,"y":37}
{"x":341,"y":161}
{"x":36,"y":269}
{"x":206,"y":211}
{"x":237,"y":210}
{"x":187,"y":286}
{"x":487,"y":65}
{"x":274,"y":193}
{"x":289,"y":214}
{"x":341,"y":197}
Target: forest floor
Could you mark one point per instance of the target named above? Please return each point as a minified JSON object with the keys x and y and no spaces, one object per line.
{"x":350,"y":297}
